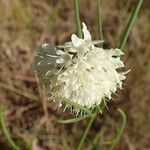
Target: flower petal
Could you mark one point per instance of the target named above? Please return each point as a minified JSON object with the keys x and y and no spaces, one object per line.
{"x":76,"y":41}
{"x":86,"y":33}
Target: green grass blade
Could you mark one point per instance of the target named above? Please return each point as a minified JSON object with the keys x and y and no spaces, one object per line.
{"x":130,"y":23}
{"x":77,"y":18}
{"x":118,"y":136}
{"x":72,"y":120}
{"x":5,"y":130}
{"x":75,"y":105}
{"x":99,"y":23}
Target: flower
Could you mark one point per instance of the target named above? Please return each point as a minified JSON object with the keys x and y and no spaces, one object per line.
{"x":84,"y":73}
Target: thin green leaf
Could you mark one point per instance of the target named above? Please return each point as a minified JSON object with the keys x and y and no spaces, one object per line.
{"x":72,"y":120}
{"x":119,"y":133}
{"x":130,"y":23}
{"x":75,"y":105}
{"x":5,"y":130}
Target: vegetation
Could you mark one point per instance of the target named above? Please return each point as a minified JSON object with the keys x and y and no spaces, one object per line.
{"x":33,"y":123}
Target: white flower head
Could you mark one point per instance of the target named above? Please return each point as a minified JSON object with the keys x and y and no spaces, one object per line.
{"x":88,"y":75}
{"x":91,"y":76}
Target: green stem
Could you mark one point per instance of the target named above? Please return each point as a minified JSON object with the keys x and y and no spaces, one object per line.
{"x":77,"y":18}
{"x":99,"y":23}
{"x":130,"y":24}
{"x":5,"y":131}
{"x":87,"y":130}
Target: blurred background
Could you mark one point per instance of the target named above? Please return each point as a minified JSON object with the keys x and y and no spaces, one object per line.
{"x":24,"y":24}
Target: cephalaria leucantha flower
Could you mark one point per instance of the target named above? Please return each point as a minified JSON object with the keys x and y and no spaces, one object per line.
{"x":82,"y":72}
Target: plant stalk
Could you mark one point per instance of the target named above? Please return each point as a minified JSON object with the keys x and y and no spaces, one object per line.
{"x":77,"y":18}
{"x":130,"y":23}
{"x":84,"y":135}
{"x":100,"y":33}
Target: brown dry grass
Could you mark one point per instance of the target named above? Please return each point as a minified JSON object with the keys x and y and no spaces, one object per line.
{"x":27,"y":23}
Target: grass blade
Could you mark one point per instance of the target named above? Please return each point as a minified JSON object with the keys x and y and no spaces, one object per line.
{"x":116,"y":140}
{"x":99,"y":23}
{"x":5,"y":131}
{"x":77,"y":18}
{"x":130,"y":23}
{"x":72,"y":120}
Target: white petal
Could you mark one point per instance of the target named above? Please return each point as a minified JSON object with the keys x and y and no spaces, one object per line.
{"x":122,"y":75}
{"x":115,"y":52}
{"x":97,"y":42}
{"x":76,"y":41}
{"x":86,"y":33}
{"x":118,"y":52}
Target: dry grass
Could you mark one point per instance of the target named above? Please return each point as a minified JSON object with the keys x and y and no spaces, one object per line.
{"x":27,"y":23}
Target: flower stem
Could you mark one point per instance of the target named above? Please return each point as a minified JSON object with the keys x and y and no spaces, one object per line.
{"x":130,"y":23}
{"x":77,"y":18}
{"x":84,"y":135}
{"x":99,"y":23}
